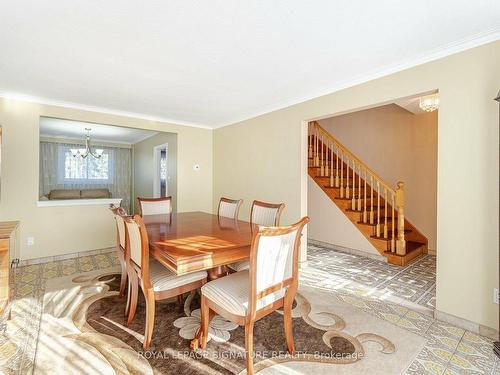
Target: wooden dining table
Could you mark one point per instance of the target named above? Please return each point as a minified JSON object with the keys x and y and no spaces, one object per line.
{"x":193,"y":241}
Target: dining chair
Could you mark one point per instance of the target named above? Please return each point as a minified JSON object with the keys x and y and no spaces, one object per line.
{"x":119,"y":213}
{"x":262,"y":213}
{"x":156,"y":280}
{"x":229,"y":208}
{"x":155,"y":206}
{"x":270,"y":284}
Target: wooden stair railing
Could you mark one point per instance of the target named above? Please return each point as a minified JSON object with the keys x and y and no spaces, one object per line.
{"x":367,"y":192}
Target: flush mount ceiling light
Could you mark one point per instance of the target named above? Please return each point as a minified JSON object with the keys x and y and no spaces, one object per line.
{"x":429,"y":103}
{"x":84,"y":152}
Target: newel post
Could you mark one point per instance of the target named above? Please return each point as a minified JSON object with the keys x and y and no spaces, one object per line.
{"x":400,"y":205}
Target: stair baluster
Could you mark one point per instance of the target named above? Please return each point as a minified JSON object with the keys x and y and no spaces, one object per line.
{"x":377,"y":227}
{"x":321,"y":161}
{"x":359,"y":187}
{"x":309,"y":140}
{"x":316,"y":144}
{"x":353,"y":206}
{"x":332,"y":181}
{"x":327,"y":163}
{"x":337,"y":181}
{"x":365,"y":214}
{"x":342,"y":175}
{"x":371,"y":199}
{"x":385,"y":213}
{"x":393,"y":240}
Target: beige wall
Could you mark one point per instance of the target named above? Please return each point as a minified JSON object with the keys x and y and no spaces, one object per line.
{"x":329,"y":224}
{"x":60,"y":230}
{"x":397,"y":145}
{"x":261,"y":158}
{"x":143,"y":166}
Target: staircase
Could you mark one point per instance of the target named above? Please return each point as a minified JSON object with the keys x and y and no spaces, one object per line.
{"x":371,"y":204}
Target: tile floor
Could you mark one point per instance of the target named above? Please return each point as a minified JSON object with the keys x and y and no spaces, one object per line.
{"x":413,"y":284}
{"x":366,"y":284}
{"x":404,"y":296}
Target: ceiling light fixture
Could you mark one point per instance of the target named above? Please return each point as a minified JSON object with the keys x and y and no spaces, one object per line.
{"x":84,"y":152}
{"x":429,"y":103}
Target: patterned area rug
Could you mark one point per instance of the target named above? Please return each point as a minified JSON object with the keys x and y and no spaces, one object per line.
{"x":83,"y":331}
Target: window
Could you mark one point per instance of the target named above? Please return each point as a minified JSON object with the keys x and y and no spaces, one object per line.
{"x":89,"y":170}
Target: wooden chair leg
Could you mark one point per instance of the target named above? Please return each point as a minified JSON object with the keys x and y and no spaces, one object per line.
{"x":249,"y":347}
{"x":205,"y":321}
{"x":150,"y":317}
{"x":287,"y":318}
{"x":129,"y":292}
{"x":134,"y":283}
{"x":123,"y":279}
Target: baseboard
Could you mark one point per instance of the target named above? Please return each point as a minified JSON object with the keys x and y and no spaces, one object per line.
{"x":346,"y":250}
{"x":467,"y":324}
{"x":30,"y":262}
{"x":431,"y":252}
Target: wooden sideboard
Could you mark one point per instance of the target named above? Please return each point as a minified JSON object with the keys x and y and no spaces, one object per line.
{"x":9,"y":245}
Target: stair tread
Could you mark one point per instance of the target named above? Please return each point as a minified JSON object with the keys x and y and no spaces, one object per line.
{"x":389,"y":235}
{"x":381,"y":221}
{"x":411,"y":246}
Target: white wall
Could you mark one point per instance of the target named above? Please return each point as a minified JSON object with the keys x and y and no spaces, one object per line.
{"x":61,"y":230}
{"x":261,"y":157}
{"x":329,"y":224}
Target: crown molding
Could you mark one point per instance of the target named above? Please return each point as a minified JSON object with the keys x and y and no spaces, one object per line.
{"x":103,"y":110}
{"x":435,"y":54}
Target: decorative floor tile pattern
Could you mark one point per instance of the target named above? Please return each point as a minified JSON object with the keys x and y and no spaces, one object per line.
{"x":362,"y":282}
{"x":415,"y":283}
{"x":18,"y":340}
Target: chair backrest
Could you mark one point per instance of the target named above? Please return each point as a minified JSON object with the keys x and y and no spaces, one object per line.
{"x":155,"y":206}
{"x":274,"y":260}
{"x":138,"y":246}
{"x":119,"y":214}
{"x":229,"y":207}
{"x":267,"y":214}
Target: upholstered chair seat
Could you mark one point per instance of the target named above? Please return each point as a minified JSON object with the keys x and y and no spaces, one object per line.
{"x":232,"y":293}
{"x":163,"y":278}
{"x":240,"y":266}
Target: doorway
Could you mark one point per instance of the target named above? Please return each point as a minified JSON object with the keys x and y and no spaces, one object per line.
{"x":160,"y":171}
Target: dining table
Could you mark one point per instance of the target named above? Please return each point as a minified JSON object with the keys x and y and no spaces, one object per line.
{"x":194,"y":241}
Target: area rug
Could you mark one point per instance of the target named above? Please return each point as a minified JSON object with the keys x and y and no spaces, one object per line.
{"x":83,"y":331}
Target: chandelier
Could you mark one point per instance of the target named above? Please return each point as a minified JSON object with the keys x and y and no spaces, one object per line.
{"x":84,"y":152}
{"x":429,"y":103}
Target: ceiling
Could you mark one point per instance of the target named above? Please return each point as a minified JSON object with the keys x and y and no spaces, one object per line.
{"x":212,"y":63}
{"x":59,"y":128}
{"x":411,"y":105}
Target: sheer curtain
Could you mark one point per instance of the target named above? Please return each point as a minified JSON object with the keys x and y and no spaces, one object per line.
{"x":120,"y":177}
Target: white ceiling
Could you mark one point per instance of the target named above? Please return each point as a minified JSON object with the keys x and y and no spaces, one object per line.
{"x":212,"y":63}
{"x":60,"y":128}
{"x":411,"y":105}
